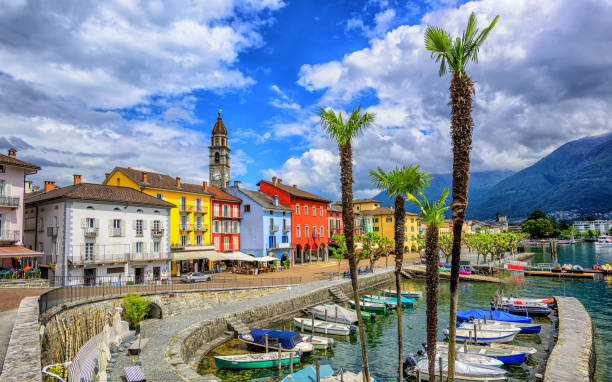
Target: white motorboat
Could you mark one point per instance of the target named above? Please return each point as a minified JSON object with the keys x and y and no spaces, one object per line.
{"x":484,"y":336}
{"x":604,"y":241}
{"x":474,"y":359}
{"x":318,"y":342}
{"x":322,"y":326}
{"x":334,"y":313}
{"x":405,"y":293}
{"x":522,"y":349}
{"x":490,"y":327}
{"x":507,"y":356}
{"x":525,"y":328}
{"x":464,"y":372}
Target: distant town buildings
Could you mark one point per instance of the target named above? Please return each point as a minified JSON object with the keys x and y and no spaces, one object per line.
{"x":601,"y":226}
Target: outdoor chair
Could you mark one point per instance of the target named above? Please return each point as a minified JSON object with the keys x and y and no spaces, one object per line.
{"x":134,"y":374}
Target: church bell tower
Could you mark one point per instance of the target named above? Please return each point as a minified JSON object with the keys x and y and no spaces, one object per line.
{"x":219,"y":156}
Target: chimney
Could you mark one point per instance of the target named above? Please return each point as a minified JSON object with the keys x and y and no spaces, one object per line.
{"x":204,"y":185}
{"x":12,"y":152}
{"x":280,"y":181}
{"x":237,"y":183}
{"x":178,"y":181}
{"x":227,"y":184}
{"x":27,"y":186}
{"x":130,"y":168}
{"x":49,"y":185}
{"x":145,"y":177}
{"x":276,"y":200}
{"x":274,"y":180}
{"x":295,"y":186}
{"x":106,"y":175}
{"x":77,"y":179}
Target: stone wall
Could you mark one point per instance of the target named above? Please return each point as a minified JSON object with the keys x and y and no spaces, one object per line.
{"x":22,"y":361}
{"x":573,"y":357}
{"x":65,"y":329}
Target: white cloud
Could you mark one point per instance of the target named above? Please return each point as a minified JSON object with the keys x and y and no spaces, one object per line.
{"x":282,"y":100}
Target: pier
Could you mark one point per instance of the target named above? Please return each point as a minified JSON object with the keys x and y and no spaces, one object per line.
{"x":584,"y":275}
{"x":419,"y":271}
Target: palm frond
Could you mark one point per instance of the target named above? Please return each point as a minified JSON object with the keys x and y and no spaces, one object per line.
{"x":342,"y":131}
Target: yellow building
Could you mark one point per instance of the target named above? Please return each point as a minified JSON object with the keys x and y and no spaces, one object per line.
{"x":384,"y":221}
{"x":446,"y":227}
{"x":365,"y":204}
{"x":190,"y":221}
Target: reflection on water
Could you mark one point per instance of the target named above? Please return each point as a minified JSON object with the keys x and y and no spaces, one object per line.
{"x":381,"y":335}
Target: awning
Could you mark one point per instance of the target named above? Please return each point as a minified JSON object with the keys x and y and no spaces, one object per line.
{"x":192,"y":255}
{"x":265,"y":259}
{"x":18,"y":251}
{"x":239,"y":256}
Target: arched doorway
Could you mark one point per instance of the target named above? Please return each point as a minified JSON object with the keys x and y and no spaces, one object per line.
{"x":315,"y":253}
{"x":322,"y":252}
{"x":298,"y":254}
{"x":155,"y":311}
{"x":306,"y":253}
{"x":285,"y":256}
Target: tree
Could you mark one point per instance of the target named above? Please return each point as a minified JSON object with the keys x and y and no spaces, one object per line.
{"x":456,"y":54}
{"x":537,"y":228}
{"x":433,"y":217}
{"x":610,"y":231}
{"x":339,"y":251}
{"x":537,"y":214}
{"x":396,"y":183}
{"x":446,"y":246}
{"x":342,"y":132}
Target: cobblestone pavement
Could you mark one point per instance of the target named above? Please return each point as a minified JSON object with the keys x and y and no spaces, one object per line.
{"x":160,"y":332}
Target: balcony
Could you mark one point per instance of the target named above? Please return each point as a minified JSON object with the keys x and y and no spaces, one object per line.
{"x":201,"y":228}
{"x":157,"y":232}
{"x":52,"y":231}
{"x":148,"y":256}
{"x":200,"y":210}
{"x":90,"y":232}
{"x":274,"y":228}
{"x":116,"y":232}
{"x":9,"y":201}
{"x":9,"y":236}
{"x":139,"y":232}
{"x":185,"y":208}
{"x":286,"y":228}
{"x":186,"y":227}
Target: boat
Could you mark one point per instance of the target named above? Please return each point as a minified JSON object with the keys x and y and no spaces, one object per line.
{"x":498,"y":315}
{"x":475,"y":359}
{"x":335,"y":313}
{"x":365,"y":314}
{"x":255,"y":360}
{"x":464,"y":372}
{"x":318,"y":342}
{"x":534,"y":309}
{"x":391,"y":304}
{"x":603,"y":241}
{"x":528,"y":300}
{"x":524,"y":349}
{"x":444,"y":267}
{"x":287,"y":341}
{"x":323,"y":326}
{"x":309,"y":374}
{"x":525,"y":328}
{"x":346,"y":376}
{"x":405,"y":293}
{"x":505,"y":327}
{"x":370,"y":306}
{"x":507,"y":356}
{"x":603,"y":268}
{"x":406,"y":301}
{"x":464,"y":271}
{"x":484,"y":336}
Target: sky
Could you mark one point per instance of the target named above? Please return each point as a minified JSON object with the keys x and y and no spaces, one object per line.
{"x":87,"y":86}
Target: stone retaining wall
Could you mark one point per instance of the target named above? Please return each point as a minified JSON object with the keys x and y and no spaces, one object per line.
{"x":22,"y":361}
{"x":573,"y":357}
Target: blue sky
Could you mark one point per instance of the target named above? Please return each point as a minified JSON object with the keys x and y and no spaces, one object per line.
{"x":138,"y":83}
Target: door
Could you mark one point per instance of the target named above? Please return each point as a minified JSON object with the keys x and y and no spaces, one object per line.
{"x":89,"y":276}
{"x":139,"y":275}
{"x":156,"y":273}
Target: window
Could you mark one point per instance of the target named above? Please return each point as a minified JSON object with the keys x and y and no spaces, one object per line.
{"x":217,"y":157}
{"x":314,"y":211}
{"x":216,"y":209}
{"x":235,"y":227}
{"x":322,"y":231}
{"x":89,"y":251}
{"x":412,"y":229}
{"x":117,"y":223}
{"x":297,"y":231}
{"x":198,"y":204}
{"x":226,"y":227}
{"x":297,"y":209}
{"x":411,"y":220}
{"x":90,"y":223}
{"x":226,"y":210}
{"x":375,"y":229}
{"x":357,"y":208}
{"x":160,"y":196}
{"x":199,"y":240}
{"x":247,"y":208}
{"x":306,"y":231}
{"x":271,"y":241}
{"x":284,"y":225}
{"x":389,"y":219}
{"x":1,"y":168}
{"x":375,"y":220}
{"x":235,"y":211}
{"x":236,"y":246}
{"x":139,"y":230}
{"x":182,"y":203}
{"x":337,"y":224}
{"x":320,"y":210}
{"x":216,"y":242}
{"x":116,"y":209}
{"x":156,"y":247}
{"x":156,"y":225}
{"x":216,"y":226}
{"x":226,"y":242}
{"x":285,"y":239}
{"x":305,"y":210}
{"x":271,"y":225}
{"x":139,"y":247}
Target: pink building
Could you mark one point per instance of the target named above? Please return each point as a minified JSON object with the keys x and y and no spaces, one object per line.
{"x":12,"y":175}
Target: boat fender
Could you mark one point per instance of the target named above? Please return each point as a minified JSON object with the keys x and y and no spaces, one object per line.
{"x":300,"y":353}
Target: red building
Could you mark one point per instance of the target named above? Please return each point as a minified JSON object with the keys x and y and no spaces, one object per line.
{"x":225,"y":221}
{"x":336,"y":226}
{"x":308,"y":220}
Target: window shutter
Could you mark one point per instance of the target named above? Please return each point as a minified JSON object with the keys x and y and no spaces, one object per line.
{"x":83,"y":222}
{"x":144,"y":247}
{"x":110,"y":227}
{"x":133,"y":247}
{"x":144,"y":225}
{"x":122,"y":227}
{"x":96,"y":251}
{"x":134,"y":224}
{"x":82,"y":251}
{"x":96,"y":223}
{"x":8,"y":190}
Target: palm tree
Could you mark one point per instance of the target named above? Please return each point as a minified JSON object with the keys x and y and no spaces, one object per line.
{"x":342,"y":132}
{"x":455,"y":54}
{"x":433,"y":217}
{"x":396,"y":183}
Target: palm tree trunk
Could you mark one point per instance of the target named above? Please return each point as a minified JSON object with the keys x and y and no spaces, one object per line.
{"x":400,"y":220}
{"x":433,"y":279}
{"x":346,"y":179}
{"x":461,"y":90}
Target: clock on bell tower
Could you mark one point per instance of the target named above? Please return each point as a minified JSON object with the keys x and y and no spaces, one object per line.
{"x":219,"y":156}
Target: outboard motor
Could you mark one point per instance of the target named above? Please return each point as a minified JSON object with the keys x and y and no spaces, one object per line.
{"x":410,"y":362}
{"x":372,"y":316}
{"x":353,"y":328}
{"x":421,"y":352}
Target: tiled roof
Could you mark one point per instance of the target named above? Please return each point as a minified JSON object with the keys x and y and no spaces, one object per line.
{"x":99,"y":192}
{"x":161,"y":181}
{"x":335,"y":208}
{"x":382,"y":211}
{"x":219,"y":128}
{"x":265,"y":200}
{"x":296,"y":192}
{"x":365,"y":201}
{"x":12,"y":161}
{"x":221,"y":195}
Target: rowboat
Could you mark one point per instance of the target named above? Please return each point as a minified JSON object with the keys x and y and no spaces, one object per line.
{"x":505,"y":327}
{"x":335,"y":313}
{"x":464,"y":372}
{"x":484,"y":336}
{"x":254,"y":360}
{"x":524,"y":349}
{"x":475,"y":359}
{"x":507,"y":356}
{"x":392,"y":301}
{"x":523,"y":300}
{"x":497,"y":315}
{"x":318,"y":342}
{"x":346,"y":376}
{"x":405,"y":293}
{"x":525,"y":328}
{"x":534,"y":309}
{"x":287,"y":341}
{"x":309,"y":374}
{"x":370,"y":306}
{"x":365,"y":314}
{"x":323,"y":326}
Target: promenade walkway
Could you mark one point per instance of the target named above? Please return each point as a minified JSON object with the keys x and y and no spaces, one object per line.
{"x":7,"y":319}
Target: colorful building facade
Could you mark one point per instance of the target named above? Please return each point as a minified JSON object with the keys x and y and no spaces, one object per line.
{"x":309,"y":219}
{"x":383,"y":224}
{"x":225,"y":221}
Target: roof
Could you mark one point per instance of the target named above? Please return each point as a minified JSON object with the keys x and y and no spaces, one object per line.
{"x":161,"y":181}
{"x":99,"y":192}
{"x":265,"y":200}
{"x":219,"y":128}
{"x":382,"y":211}
{"x":365,"y":201}
{"x":222,"y":195}
{"x":296,"y":192}
{"x":17,"y":251}
{"x":334,"y":208}
{"x":12,"y":161}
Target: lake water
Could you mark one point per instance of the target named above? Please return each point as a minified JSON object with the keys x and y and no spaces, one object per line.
{"x":381,"y":335}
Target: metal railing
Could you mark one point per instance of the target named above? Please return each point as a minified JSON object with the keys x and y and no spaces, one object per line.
{"x":185,"y":227}
{"x":115,"y":232}
{"x":9,"y":201}
{"x":10,"y":235}
{"x":72,"y":289}
{"x":200,"y":209}
{"x":185,"y":208}
{"x":201,"y":227}
{"x":102,"y":258}
{"x":90,"y":231}
{"x":157,"y":232}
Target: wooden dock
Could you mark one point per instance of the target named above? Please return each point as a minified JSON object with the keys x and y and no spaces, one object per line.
{"x":585,"y":275}
{"x":419,"y":271}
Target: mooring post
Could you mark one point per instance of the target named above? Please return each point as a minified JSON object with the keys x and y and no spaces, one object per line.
{"x":440,"y":363}
{"x":318,"y":368}
{"x":336,"y":313}
{"x":291,"y":363}
{"x":266,"y":337}
{"x":280,"y":369}
{"x":302,"y":324}
{"x":312,"y":321}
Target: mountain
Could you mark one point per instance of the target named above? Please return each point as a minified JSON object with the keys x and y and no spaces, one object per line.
{"x":576,"y":178}
{"x":480,"y":183}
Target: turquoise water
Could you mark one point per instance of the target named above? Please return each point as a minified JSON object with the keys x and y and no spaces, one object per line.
{"x":381,"y":335}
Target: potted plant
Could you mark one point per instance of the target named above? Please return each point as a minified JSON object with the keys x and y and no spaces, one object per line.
{"x":287,"y":264}
{"x":135,"y":308}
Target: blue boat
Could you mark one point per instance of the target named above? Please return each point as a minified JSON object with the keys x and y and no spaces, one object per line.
{"x":287,"y":341}
{"x":309,"y":374}
{"x":498,"y":315}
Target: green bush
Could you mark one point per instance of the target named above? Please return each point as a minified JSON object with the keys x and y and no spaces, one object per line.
{"x":130,"y":283}
{"x":287,"y":264}
{"x":135,"y":308}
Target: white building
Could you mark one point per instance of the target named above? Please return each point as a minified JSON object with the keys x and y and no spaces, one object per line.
{"x":601,"y":226}
{"x":95,"y":233}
